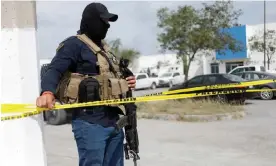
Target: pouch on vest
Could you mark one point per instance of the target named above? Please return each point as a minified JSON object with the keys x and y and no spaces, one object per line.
{"x":68,"y":89}
{"x":89,"y":90}
{"x":112,"y":88}
{"x":117,"y":87}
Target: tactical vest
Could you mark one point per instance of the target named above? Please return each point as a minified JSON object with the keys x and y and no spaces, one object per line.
{"x":112,"y":85}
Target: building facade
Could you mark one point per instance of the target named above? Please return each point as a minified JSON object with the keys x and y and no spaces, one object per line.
{"x":223,"y":63}
{"x":215,"y":62}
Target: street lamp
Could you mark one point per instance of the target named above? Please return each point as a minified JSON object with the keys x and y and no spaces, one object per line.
{"x":265,"y":35}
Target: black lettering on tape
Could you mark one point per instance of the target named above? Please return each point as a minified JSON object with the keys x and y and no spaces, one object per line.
{"x":199,"y":94}
{"x":212,"y":93}
{"x":219,"y":92}
{"x":154,"y":94}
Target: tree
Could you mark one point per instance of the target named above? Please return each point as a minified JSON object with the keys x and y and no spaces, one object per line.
{"x":120,"y":52}
{"x":115,"y":45}
{"x":128,"y":53}
{"x":188,"y":31}
{"x":256,"y":43}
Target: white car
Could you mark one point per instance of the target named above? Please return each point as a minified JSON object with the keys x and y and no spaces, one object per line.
{"x":170,"y":79}
{"x":240,"y":69}
{"x":143,"y":81}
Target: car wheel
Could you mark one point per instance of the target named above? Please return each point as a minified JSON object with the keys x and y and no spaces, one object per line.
{"x":56,"y":117}
{"x":153,"y":86}
{"x":267,"y":94}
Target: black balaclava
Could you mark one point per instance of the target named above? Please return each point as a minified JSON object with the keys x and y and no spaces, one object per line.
{"x":94,"y":22}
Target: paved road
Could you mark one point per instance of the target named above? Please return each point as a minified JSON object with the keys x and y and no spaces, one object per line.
{"x":250,"y":141}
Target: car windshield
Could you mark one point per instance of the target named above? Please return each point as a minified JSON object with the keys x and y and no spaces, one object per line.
{"x":232,"y":77}
{"x":166,"y":75}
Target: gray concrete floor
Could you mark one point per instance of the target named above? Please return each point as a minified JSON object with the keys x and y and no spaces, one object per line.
{"x":247,"y":142}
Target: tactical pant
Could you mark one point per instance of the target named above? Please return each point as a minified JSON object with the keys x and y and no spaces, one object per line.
{"x":95,"y":145}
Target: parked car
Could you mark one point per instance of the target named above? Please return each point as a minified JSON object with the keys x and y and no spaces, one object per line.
{"x":170,"y":79}
{"x":247,"y":68}
{"x":213,"y":79}
{"x":143,"y":81}
{"x":255,"y":75}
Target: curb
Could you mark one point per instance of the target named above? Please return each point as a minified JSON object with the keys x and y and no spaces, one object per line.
{"x":192,"y":118}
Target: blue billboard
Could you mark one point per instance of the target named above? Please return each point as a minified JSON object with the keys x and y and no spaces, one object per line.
{"x":238,"y":33}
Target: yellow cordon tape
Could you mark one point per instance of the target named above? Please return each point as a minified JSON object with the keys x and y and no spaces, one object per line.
{"x":19,"y":108}
{"x":24,"y":115}
{"x":28,"y":108}
{"x":218,"y":86}
{"x":31,"y":109}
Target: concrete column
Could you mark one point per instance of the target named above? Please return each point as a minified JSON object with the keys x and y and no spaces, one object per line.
{"x":21,"y":139}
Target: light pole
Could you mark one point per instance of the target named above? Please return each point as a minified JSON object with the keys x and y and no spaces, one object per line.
{"x":265,"y":35}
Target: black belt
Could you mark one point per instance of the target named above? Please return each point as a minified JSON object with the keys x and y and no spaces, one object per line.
{"x":90,"y":111}
{"x":87,"y":111}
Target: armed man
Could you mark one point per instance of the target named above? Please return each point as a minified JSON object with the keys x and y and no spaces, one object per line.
{"x":84,"y":70}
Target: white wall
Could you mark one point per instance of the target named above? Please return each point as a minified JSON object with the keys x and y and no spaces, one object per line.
{"x":144,"y":62}
{"x":22,"y":140}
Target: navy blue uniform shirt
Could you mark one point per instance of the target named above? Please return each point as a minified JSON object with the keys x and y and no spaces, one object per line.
{"x":75,"y":56}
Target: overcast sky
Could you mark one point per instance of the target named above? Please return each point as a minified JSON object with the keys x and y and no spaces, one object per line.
{"x":136,"y":25}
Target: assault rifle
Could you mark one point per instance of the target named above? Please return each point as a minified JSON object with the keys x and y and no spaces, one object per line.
{"x":129,"y":121}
